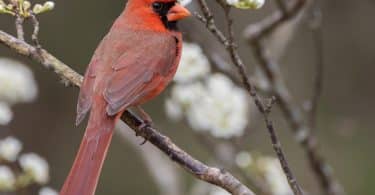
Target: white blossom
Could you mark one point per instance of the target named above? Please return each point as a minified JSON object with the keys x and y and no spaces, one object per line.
{"x":217,"y":106}
{"x":35,"y":166}
{"x":174,"y":111}
{"x":10,"y":147}
{"x":6,"y":113}
{"x":193,"y":64}
{"x":17,"y":83}
{"x":228,"y":105}
{"x":187,"y":94}
{"x":184,"y":2}
{"x":47,"y":191}
{"x":246,"y":4}
{"x":244,"y":159}
{"x":274,"y":175}
{"x":218,"y":191}
{"x":7,"y":178}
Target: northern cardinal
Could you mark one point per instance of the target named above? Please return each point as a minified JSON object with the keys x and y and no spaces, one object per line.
{"x":133,"y":64}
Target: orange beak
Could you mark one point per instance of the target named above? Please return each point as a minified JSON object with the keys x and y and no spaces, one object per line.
{"x":177,"y":12}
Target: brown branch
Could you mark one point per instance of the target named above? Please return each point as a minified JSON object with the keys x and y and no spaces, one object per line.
{"x":201,"y":171}
{"x":292,"y":113}
{"x":229,"y":43}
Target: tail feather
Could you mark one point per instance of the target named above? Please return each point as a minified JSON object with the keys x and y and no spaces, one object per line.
{"x":84,"y":175}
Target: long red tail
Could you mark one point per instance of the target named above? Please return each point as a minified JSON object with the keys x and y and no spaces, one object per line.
{"x":84,"y":175}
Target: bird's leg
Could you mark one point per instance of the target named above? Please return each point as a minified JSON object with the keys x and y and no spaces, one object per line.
{"x":146,"y":120}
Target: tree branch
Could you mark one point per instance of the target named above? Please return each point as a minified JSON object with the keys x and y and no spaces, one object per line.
{"x":198,"y":169}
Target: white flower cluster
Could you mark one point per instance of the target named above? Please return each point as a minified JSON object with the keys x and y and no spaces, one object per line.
{"x":246,"y":4}
{"x":35,"y":169}
{"x":193,"y":64}
{"x":17,"y":85}
{"x":24,"y":8}
{"x":209,"y":102}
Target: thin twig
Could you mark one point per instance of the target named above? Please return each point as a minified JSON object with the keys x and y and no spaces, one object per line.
{"x":316,"y":27}
{"x":201,"y":171}
{"x":19,"y":21}
{"x":231,"y":47}
{"x":19,"y":27}
{"x":34,"y":36}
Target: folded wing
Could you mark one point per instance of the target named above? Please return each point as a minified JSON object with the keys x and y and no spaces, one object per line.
{"x":141,"y":71}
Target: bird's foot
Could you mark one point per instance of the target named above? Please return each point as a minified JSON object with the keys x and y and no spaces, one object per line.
{"x":143,"y":126}
{"x":146,"y":123}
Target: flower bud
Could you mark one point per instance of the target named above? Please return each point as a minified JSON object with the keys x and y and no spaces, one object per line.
{"x":7,"y":179}
{"x":49,"y":5}
{"x":246,"y":4}
{"x":9,"y":7}
{"x":26,"y":5}
{"x":10,"y":148}
{"x":2,"y":8}
{"x":37,"y":9}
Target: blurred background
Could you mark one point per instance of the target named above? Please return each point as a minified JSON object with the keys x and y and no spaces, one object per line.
{"x":45,"y":124}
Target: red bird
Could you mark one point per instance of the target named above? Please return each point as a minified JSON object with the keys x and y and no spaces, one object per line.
{"x":133,"y":64}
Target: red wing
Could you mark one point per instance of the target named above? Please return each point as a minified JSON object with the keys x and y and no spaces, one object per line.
{"x":139,"y":71}
{"x":87,"y":89}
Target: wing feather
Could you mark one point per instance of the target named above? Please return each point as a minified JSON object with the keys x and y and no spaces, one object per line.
{"x":139,"y":71}
{"x":85,"y":94}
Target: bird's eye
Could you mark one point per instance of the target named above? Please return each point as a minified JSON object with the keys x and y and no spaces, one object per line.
{"x":157,"y":6}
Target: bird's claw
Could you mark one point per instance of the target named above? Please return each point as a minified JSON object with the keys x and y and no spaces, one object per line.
{"x":143,"y":126}
{"x":144,"y":142}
